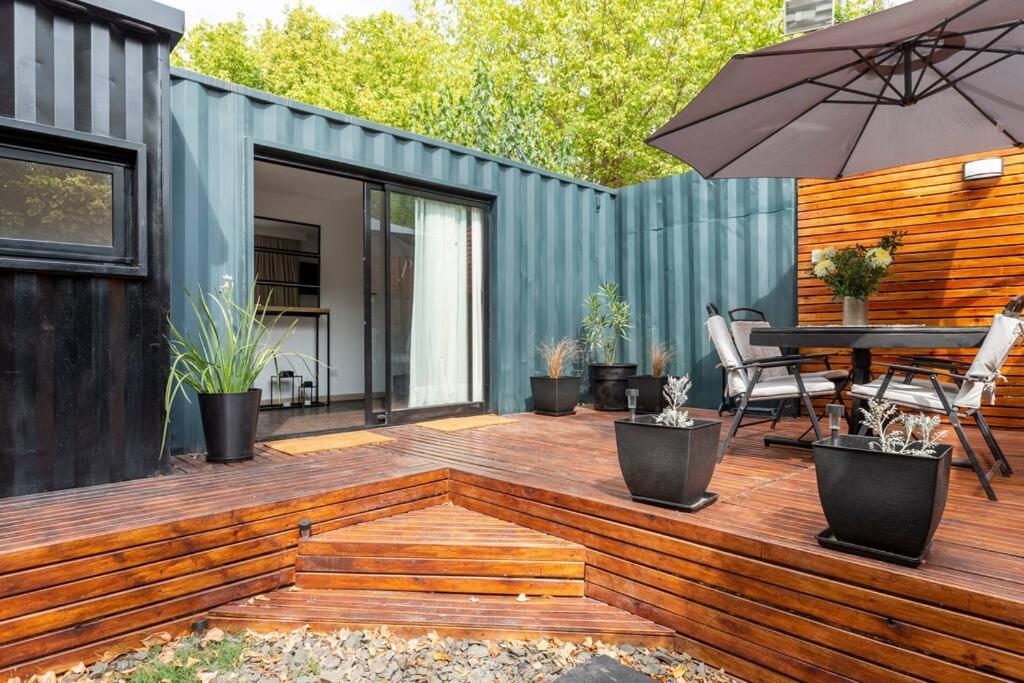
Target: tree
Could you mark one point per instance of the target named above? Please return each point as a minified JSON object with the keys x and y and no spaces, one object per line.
{"x":571,"y":85}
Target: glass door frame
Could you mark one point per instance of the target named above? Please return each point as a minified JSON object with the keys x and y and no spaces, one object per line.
{"x":388,"y":415}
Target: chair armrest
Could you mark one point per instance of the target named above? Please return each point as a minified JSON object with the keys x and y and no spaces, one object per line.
{"x":932,"y":361}
{"x":779,"y":362}
{"x":917,"y":370}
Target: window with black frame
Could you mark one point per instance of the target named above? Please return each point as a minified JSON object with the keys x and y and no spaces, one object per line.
{"x":70,"y":202}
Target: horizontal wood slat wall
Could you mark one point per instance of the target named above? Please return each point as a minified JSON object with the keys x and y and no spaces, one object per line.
{"x":80,"y":590}
{"x":962,"y":261}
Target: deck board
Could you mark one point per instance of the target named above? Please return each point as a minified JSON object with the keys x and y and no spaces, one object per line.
{"x":742,"y":581}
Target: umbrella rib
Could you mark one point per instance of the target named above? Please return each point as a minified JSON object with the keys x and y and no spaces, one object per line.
{"x":970,"y":100}
{"x":745,"y":103}
{"x":853,"y":147}
{"x":775,"y":132}
{"x":885,"y":79}
{"x":929,"y":90}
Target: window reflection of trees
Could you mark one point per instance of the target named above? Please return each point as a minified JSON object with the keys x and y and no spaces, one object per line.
{"x":50,"y":203}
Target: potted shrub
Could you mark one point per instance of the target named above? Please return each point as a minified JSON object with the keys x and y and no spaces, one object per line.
{"x":651,"y":388}
{"x":853,"y":273}
{"x":557,"y":393}
{"x":669,"y":458}
{"x":884,"y":495}
{"x":221,"y":363}
{"x":606,"y":323}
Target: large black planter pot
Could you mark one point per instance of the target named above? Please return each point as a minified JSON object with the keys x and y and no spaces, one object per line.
{"x":608,"y":384}
{"x":668,"y":465}
{"x":555,"y":395}
{"x":229,"y":424}
{"x":651,"y":396}
{"x":880,"y":505}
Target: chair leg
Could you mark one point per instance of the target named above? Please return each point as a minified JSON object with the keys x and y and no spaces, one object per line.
{"x":971,"y":456}
{"x":993,"y":445}
{"x":778,"y":412}
{"x":813,"y":416}
{"x":733,"y":428}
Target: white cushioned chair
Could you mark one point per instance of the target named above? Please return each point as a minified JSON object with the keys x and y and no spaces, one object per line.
{"x":745,"y":381}
{"x":920,"y":386}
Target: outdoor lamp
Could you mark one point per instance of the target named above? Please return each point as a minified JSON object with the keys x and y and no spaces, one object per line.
{"x":307,"y":393}
{"x":835,"y":416}
{"x":631,"y":395}
{"x":982,"y":169}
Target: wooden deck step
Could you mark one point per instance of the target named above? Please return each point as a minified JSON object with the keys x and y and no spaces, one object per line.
{"x":446,"y":549}
{"x":411,"y":614}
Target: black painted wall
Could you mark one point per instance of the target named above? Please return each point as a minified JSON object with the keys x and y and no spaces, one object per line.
{"x":82,"y":357}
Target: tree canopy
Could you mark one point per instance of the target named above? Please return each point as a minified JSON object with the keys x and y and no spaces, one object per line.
{"x":575,"y":86}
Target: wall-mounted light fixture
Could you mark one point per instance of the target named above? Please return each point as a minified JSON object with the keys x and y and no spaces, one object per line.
{"x":982,"y":169}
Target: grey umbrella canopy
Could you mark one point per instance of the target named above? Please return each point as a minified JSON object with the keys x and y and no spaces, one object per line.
{"x":921,"y":81}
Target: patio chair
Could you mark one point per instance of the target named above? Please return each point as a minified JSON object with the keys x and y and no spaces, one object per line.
{"x":962,"y":395}
{"x":744,"y":382}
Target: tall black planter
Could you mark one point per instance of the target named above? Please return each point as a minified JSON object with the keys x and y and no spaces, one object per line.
{"x":608,"y":384}
{"x":555,"y":395}
{"x":651,"y":393}
{"x":668,"y":466}
{"x":881,"y":505}
{"x":229,"y":424}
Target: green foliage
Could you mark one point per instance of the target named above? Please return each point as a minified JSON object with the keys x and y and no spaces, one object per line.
{"x":575,"y":87}
{"x":229,"y":351}
{"x":46,"y":202}
{"x":608,"y":319}
{"x":856,"y":271}
{"x":188,"y":660}
{"x":848,"y":10}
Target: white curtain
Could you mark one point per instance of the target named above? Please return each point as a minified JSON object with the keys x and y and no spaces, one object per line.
{"x":439,"y":343}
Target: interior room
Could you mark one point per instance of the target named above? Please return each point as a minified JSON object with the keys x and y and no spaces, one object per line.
{"x":423,"y":277}
{"x":308,"y":258}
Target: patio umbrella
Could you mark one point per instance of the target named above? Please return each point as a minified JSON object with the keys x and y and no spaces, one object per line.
{"x":925,"y":80}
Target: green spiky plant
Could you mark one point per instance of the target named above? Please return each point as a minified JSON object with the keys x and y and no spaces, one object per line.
{"x":607,"y":321}
{"x":229,"y":350}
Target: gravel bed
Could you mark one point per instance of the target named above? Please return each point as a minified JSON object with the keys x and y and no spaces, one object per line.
{"x":372,"y":656}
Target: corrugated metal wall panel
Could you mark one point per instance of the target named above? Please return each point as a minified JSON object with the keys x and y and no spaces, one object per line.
{"x":83,"y":357}
{"x":553,"y":239}
{"x":687,"y":241}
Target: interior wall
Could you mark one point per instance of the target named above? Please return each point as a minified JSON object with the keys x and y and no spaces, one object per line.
{"x":336,"y":205}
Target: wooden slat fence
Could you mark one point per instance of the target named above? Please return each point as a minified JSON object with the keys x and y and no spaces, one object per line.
{"x":962,"y":261}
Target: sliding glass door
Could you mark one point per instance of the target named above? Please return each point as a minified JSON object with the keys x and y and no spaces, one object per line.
{"x":425,"y":304}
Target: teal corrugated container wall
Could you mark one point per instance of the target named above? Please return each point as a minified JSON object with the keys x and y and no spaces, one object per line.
{"x":552,"y":238}
{"x":686,"y":241}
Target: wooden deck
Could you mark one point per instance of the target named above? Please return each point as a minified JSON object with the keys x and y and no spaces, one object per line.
{"x":743,"y":582}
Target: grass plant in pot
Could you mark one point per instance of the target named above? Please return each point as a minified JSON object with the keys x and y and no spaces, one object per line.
{"x":854,"y":273}
{"x":221,"y":362}
{"x":668,"y":459}
{"x":558,"y":392}
{"x":606,"y":323}
{"x":884,"y":495}
{"x":651,"y":388}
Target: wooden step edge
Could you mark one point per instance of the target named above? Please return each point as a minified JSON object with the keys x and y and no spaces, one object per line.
{"x":508,"y":551}
{"x":545,"y":569}
{"x":440,"y":584}
{"x":658,"y":636}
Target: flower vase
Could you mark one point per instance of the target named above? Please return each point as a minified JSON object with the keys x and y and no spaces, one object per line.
{"x":855,"y":311}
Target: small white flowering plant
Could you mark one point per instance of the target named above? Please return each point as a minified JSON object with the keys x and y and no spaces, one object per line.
{"x":676,"y":391}
{"x":856,"y":271}
{"x":902,"y":433}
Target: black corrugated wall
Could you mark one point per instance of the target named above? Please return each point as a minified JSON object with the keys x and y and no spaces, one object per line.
{"x":83,"y":357}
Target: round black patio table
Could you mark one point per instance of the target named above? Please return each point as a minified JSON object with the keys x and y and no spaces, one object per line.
{"x":861,"y":341}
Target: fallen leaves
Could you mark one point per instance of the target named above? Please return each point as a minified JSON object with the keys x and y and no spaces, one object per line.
{"x":213,"y":635}
{"x":159,"y":638}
